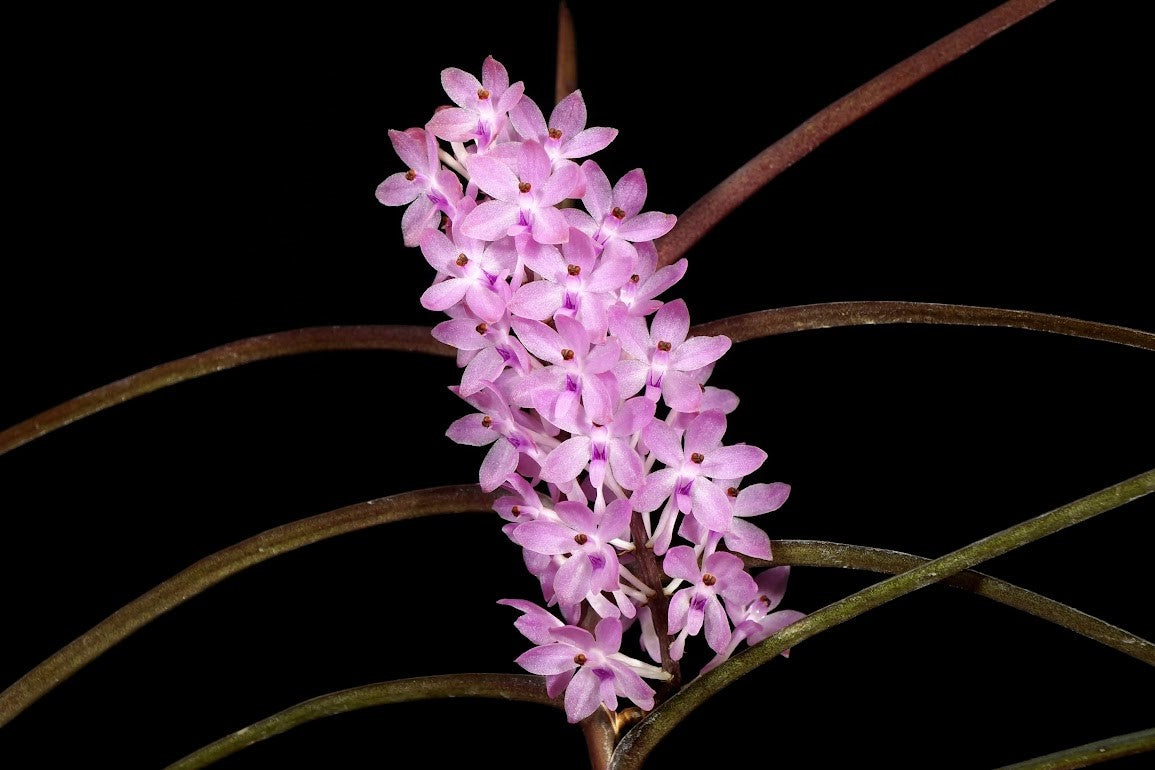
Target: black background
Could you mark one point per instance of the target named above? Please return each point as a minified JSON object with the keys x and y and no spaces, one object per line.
{"x":184,"y":178}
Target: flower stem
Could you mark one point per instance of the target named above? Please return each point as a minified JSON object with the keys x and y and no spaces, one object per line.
{"x":416,"y":339}
{"x":213,"y":569}
{"x":651,"y":574}
{"x":819,"y":553}
{"x":514,"y":687}
{"x":715,"y":205}
{"x":642,"y":739}
{"x":832,"y":315}
{"x":600,"y":735}
{"x":1092,"y":753}
{"x":565,"y":82}
{"x":413,"y":339}
{"x":466,"y":498}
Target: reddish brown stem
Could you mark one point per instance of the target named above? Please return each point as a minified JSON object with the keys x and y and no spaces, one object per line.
{"x":213,"y":569}
{"x":650,"y":573}
{"x":413,"y":339}
{"x":830,"y":315}
{"x":566,"y":79}
{"x":416,"y":339}
{"x":600,"y":735}
{"x":701,"y":217}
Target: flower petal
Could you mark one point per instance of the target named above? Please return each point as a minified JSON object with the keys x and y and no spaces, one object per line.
{"x":567,"y":460}
{"x":444,"y":295}
{"x":679,"y":609}
{"x":549,"y":226}
{"x":535,"y":623}
{"x":589,"y":141}
{"x":533,"y":163}
{"x":633,"y":416}
{"x":608,"y":633}
{"x":598,"y":199}
{"x":664,"y":443}
{"x":498,"y":464}
{"x":453,"y":124}
{"x":717,"y":626}
{"x":397,"y":190}
{"x":615,"y":520}
{"x":411,"y":148}
{"x":538,"y":300}
{"x":527,"y":119}
{"x":438,"y":250}
{"x":631,"y":330}
{"x":671,"y":323}
{"x":416,"y":219}
{"x":630,"y":193}
{"x":561,"y":184}
{"x":647,"y":226}
{"x":625,"y":463}
{"x":681,"y":392}
{"x":772,"y":584}
{"x":629,"y":685}
{"x":490,"y":220}
{"x":539,"y":339}
{"x":461,"y":86}
{"x":569,"y":116}
{"x":611,"y":273}
{"x":704,"y":434}
{"x":773,"y":623}
{"x":749,"y":539}
{"x":757,"y":499}
{"x":482,"y":370}
{"x":510,"y":98}
{"x":494,"y":75}
{"x":681,"y":562}
{"x":494,"y":178}
{"x":485,"y":303}
{"x":732,"y":462}
{"x":663,"y":279}
{"x":710,"y":506}
{"x":577,"y":516}
{"x":631,"y":377}
{"x":545,"y":537}
{"x":470,"y":430}
{"x":697,"y":352}
{"x":552,"y":658}
{"x":656,"y":488}
{"x":583,"y":696}
{"x":572,"y":581}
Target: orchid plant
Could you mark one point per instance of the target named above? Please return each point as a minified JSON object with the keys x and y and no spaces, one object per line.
{"x":604,"y":442}
{"x":549,"y":316}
